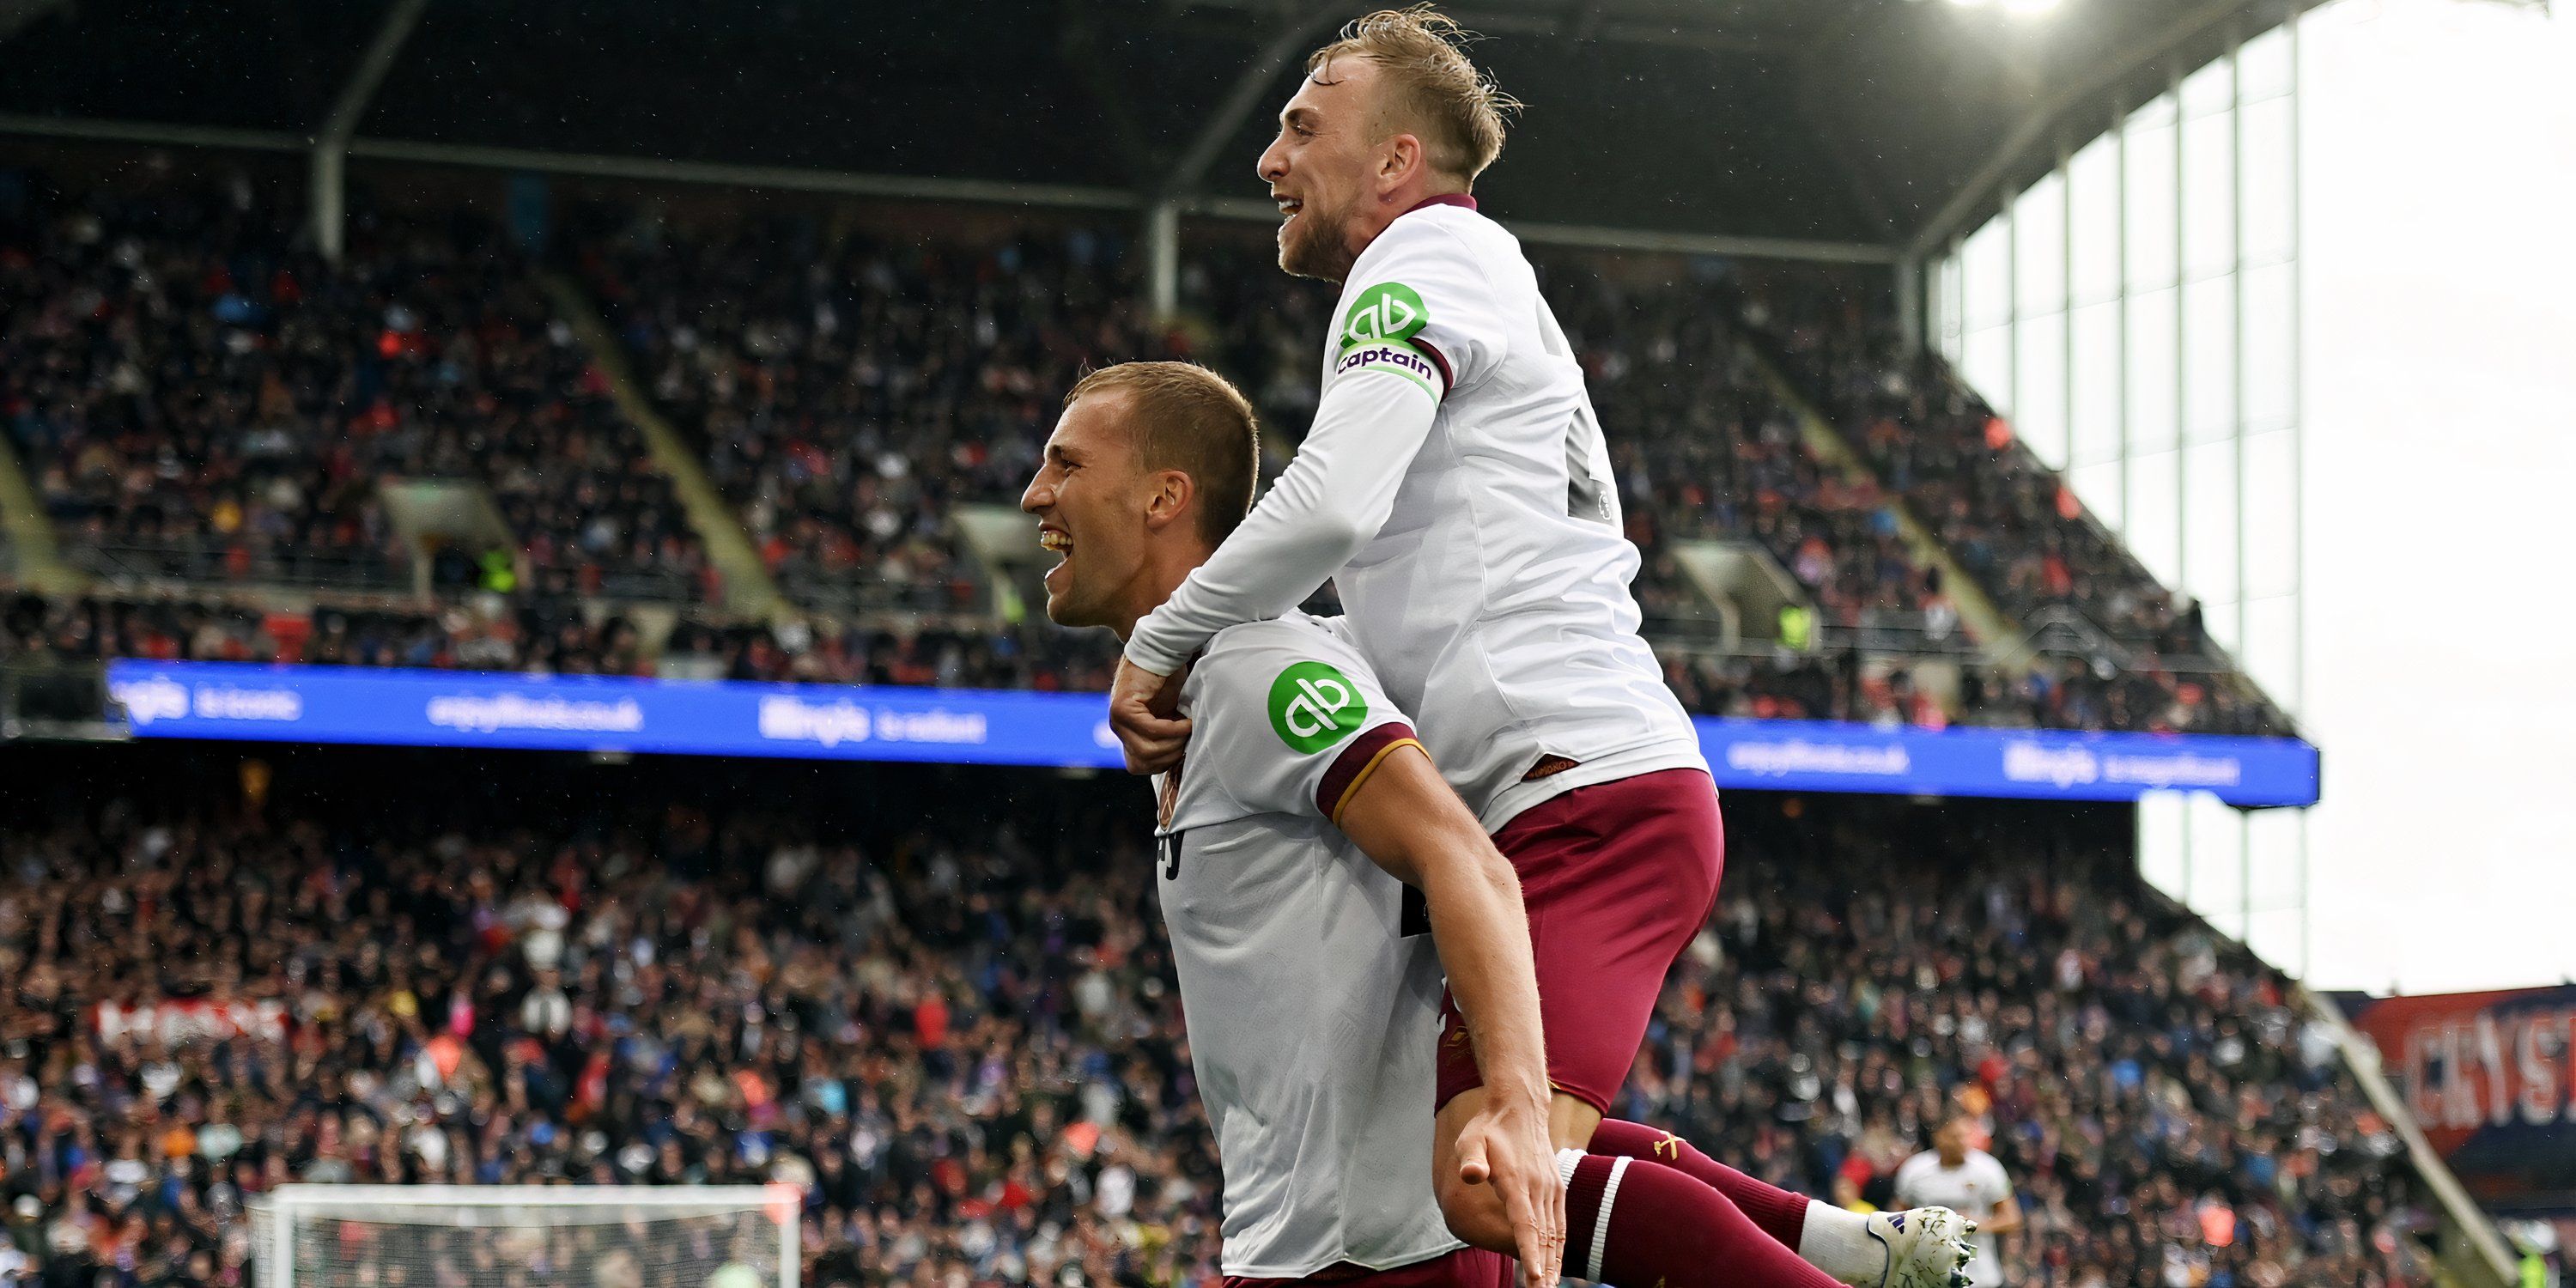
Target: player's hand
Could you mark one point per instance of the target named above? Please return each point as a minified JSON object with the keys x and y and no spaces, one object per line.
{"x":1506,"y":1145}
{"x":1144,"y":711}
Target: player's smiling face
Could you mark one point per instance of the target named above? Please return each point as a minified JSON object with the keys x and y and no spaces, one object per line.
{"x":1323,"y":168}
{"x":1090,"y":497}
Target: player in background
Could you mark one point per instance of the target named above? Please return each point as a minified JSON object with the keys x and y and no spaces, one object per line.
{"x":1969,"y":1180}
{"x":1456,"y":487}
{"x":1285,"y":844}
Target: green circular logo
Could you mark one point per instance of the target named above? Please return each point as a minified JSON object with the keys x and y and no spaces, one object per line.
{"x":1388,"y":311}
{"x":1314,"y":706}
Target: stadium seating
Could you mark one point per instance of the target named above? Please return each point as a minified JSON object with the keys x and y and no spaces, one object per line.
{"x":201,"y":402}
{"x":847,"y":396}
{"x":201,"y":399}
{"x":939,"y":1001}
{"x":2011,"y":521}
{"x":486,"y":633}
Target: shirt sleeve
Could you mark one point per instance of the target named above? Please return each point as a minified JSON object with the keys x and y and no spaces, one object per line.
{"x":1292,"y":722}
{"x":1424,"y":321}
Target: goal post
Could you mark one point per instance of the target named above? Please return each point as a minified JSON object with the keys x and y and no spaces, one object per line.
{"x":527,"y":1236}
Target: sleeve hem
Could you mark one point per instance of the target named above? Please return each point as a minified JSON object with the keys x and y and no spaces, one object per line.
{"x":1150,"y":659}
{"x":1356,"y":762}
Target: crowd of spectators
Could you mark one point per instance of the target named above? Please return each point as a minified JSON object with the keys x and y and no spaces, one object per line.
{"x":939,"y":1003}
{"x":848,"y":395}
{"x":491,"y":633}
{"x":483,"y":633}
{"x":2010,"y":521}
{"x":200,"y":396}
{"x":968,"y":654}
{"x":1705,"y":450}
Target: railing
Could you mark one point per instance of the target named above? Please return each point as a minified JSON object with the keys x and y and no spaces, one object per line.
{"x":143,"y":563}
{"x":828,"y":593}
{"x":1900,"y":634}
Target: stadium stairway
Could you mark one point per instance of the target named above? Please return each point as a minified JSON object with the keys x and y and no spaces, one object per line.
{"x":749,"y":590}
{"x":38,"y":562}
{"x":1988,"y":623}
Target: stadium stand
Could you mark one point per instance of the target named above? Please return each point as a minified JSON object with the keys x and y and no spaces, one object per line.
{"x":486,"y":633}
{"x":846,"y":396}
{"x":2010,"y":520}
{"x":201,"y":402}
{"x":201,"y":399}
{"x":952,"y":1023}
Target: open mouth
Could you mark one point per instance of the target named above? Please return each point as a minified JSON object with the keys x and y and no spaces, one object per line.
{"x":1288,"y":208}
{"x":1059,"y":541}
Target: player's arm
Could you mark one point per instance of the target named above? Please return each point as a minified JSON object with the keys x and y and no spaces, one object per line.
{"x":1405,"y":818}
{"x":1409,"y":822}
{"x":1333,"y":498}
{"x":2006,"y":1217}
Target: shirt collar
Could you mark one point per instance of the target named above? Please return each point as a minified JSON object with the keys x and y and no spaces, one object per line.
{"x":1444,"y":199}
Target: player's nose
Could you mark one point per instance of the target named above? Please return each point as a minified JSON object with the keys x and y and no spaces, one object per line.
{"x":1037,"y":496}
{"x":1273,"y":164}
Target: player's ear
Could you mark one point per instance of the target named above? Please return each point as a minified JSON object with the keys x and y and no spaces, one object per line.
{"x":1168,"y":498}
{"x":1399,"y":159}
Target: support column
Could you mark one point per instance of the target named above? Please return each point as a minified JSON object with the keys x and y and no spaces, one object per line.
{"x":1163,"y":258}
{"x":2066,"y":387}
{"x":1909,"y":304}
{"x":2012,"y":310}
{"x":2298,"y":454}
{"x":331,"y":142}
{"x":2120,"y":247}
{"x":2236,"y":351}
{"x":2181,"y":351}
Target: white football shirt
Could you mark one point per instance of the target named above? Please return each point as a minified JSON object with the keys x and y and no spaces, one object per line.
{"x":1307,"y":974}
{"x":1972,"y":1189}
{"x":1457,"y":488}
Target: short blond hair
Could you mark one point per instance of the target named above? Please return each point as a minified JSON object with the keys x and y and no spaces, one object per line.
{"x":1190,"y":419}
{"x":1432,"y":86}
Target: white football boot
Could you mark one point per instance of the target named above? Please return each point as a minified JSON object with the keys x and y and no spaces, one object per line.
{"x":1927,"y":1247}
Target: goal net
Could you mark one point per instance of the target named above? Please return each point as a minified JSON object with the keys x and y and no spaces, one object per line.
{"x":526,"y":1236}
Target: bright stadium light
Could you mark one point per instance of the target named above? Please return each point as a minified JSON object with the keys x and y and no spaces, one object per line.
{"x":2029,"y":6}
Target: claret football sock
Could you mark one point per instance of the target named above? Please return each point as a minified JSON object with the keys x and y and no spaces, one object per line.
{"x":1634,"y":1223}
{"x":1778,"y":1213}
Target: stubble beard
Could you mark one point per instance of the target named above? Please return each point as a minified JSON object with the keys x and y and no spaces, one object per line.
{"x":1317,"y":249}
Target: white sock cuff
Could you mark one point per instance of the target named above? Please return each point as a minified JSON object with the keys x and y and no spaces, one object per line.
{"x":1565,"y":1161}
{"x":1601,"y":1225}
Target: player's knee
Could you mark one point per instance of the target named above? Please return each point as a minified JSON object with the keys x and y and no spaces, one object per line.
{"x":1475,"y":1213}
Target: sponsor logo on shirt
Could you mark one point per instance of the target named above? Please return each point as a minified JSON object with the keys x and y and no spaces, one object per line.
{"x":1401,"y":358}
{"x":1390,"y":311}
{"x":1313,"y":706}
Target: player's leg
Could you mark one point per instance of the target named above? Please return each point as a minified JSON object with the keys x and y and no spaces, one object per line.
{"x":1922,"y":1246}
{"x":1629,"y":1223}
{"x":1618,"y":878}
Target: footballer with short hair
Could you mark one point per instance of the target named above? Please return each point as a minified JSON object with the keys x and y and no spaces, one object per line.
{"x":1456,"y":488}
{"x":1286,"y":846}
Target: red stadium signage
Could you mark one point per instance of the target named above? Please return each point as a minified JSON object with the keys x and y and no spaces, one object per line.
{"x":2491,"y":1078}
{"x":191,"y":1019}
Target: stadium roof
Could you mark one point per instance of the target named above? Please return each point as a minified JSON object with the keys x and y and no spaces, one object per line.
{"x":1864,"y":125}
